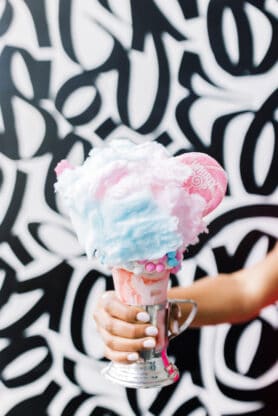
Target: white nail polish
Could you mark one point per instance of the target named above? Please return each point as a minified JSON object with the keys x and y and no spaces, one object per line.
{"x":149,"y":343}
{"x":176,"y":327}
{"x":143,"y":317}
{"x":134,"y":356}
{"x":151,"y":331}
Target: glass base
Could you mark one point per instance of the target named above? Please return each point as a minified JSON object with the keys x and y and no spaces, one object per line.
{"x":142,"y":375}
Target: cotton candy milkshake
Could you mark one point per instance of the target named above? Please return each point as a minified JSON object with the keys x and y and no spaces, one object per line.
{"x":137,"y":209}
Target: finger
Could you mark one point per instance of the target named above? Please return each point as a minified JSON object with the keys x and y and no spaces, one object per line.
{"x":121,"y":328}
{"x":121,"y":357}
{"x":124,"y":329}
{"x":119,"y":310}
{"x":98,"y":316}
{"x":116,"y":343}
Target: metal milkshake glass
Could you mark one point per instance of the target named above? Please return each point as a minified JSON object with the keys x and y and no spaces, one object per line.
{"x":153,"y":369}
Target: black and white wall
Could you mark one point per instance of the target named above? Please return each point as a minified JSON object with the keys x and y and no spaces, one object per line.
{"x":195,"y":75}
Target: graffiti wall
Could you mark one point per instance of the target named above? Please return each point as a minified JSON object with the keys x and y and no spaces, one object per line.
{"x":194,"y":75}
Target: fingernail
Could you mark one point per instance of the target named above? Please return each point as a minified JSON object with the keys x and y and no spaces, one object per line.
{"x":175,"y":327}
{"x":179,"y":313}
{"x":143,"y":317}
{"x":134,"y":356}
{"x":149,"y":343}
{"x":151,"y":331}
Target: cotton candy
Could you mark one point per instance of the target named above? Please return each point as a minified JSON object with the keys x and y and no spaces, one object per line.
{"x":131,"y":202}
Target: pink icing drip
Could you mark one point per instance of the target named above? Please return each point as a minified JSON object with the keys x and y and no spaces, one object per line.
{"x":168,"y":365}
{"x":164,"y":357}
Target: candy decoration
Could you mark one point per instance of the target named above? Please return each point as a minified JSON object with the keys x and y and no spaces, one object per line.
{"x":150,"y":267}
{"x":160,"y":267}
{"x":209,"y":180}
{"x":172,"y":262}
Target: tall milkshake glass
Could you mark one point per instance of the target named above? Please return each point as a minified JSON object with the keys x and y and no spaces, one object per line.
{"x":149,"y":291}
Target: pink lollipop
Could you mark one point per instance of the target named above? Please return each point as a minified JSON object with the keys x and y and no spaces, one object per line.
{"x":208,"y":180}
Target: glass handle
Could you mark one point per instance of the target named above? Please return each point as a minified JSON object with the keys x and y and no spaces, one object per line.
{"x":171,"y":305}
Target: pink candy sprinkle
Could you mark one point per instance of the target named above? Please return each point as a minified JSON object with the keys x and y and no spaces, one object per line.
{"x":150,"y":267}
{"x":160,"y":267}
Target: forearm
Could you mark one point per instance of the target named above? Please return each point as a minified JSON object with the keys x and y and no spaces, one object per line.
{"x":220,"y":299}
{"x":234,"y":297}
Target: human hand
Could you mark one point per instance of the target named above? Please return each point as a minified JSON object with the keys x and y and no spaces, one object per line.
{"x":125,"y":329}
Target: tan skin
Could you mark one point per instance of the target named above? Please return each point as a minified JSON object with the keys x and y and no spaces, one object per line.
{"x":233,"y":298}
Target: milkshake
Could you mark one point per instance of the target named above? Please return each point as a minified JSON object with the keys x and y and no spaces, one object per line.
{"x":146,"y":285}
{"x":137,"y":209}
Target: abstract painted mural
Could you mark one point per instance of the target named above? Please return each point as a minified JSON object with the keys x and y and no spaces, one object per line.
{"x":194,"y":75}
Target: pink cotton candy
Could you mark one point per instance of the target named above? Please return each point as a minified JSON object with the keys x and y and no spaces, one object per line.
{"x":61,"y":166}
{"x":209,"y":180}
{"x":109,"y":180}
{"x":133,"y":202}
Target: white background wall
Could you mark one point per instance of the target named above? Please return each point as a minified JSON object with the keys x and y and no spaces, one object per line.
{"x":194,"y":75}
